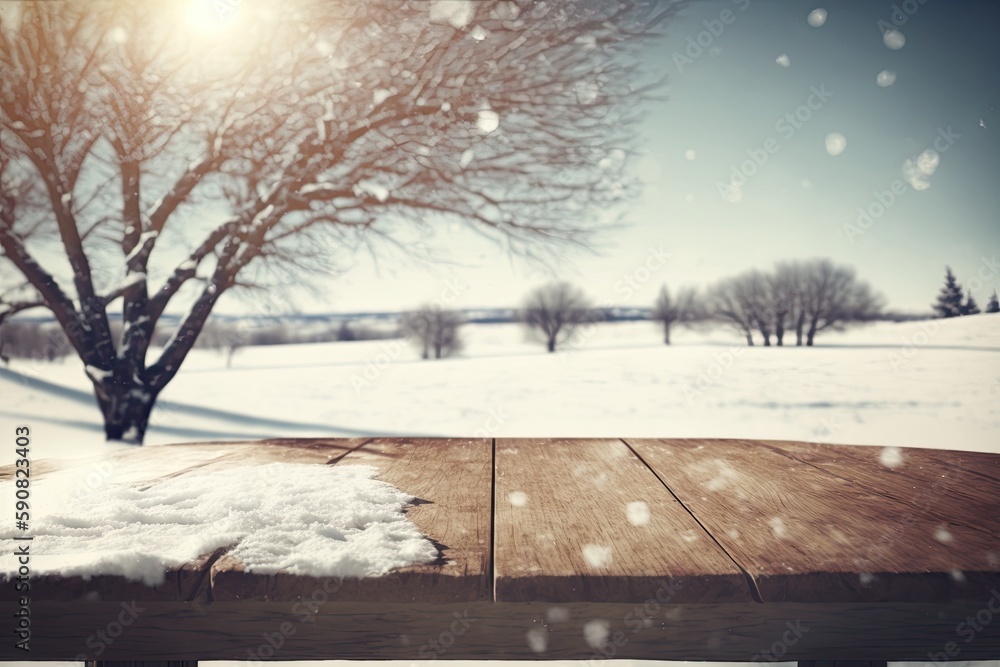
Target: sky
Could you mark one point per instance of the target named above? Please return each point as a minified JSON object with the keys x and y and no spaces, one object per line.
{"x":758,"y":78}
{"x":727,"y":100}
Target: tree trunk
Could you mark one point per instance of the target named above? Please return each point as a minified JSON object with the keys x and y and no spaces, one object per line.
{"x":749,"y":337}
{"x":552,"y":345}
{"x":126,"y":408}
{"x":765,"y":335}
{"x":811,"y":334}
{"x":779,"y":333}
{"x":666,"y":333}
{"x":799,"y":324}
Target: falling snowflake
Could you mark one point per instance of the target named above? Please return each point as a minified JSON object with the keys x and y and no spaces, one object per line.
{"x":817,"y":17}
{"x":885,"y":78}
{"x":488,"y":121}
{"x":893,"y":39}
{"x":597,"y":556}
{"x":891,"y":457}
{"x":835,"y":143}
{"x":637,"y":513}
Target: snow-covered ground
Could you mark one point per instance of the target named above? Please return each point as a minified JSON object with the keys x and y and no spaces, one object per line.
{"x":925,"y":384}
{"x":919,"y":384}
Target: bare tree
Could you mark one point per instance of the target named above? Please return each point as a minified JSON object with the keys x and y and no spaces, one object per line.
{"x":809,"y":296}
{"x":785,"y":285}
{"x":834,"y":297}
{"x":682,"y":310}
{"x":734,"y":302}
{"x":434,"y":330}
{"x":554,"y":312}
{"x":324,"y":125}
{"x":755,"y":290}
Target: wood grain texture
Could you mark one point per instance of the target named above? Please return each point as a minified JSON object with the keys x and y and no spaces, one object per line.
{"x":563,"y":530}
{"x":808,"y":534}
{"x":451,"y":482}
{"x":487,"y":630}
{"x":961,"y":489}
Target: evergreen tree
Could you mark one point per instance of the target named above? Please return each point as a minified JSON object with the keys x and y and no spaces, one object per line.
{"x":950,"y":301}
{"x":993,"y":306}
{"x":970,"y":307}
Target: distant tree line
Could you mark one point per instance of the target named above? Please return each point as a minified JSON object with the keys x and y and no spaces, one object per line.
{"x":800,"y":297}
{"x":41,"y":341}
{"x":229,"y":336}
{"x":803,"y":298}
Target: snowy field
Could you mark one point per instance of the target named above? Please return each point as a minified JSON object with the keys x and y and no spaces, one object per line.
{"x":924,"y":384}
{"x":918,"y":384}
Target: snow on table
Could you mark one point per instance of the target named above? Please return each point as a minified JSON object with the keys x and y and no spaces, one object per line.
{"x":527,"y":548}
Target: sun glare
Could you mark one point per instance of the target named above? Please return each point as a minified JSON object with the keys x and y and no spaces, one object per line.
{"x":210,"y":17}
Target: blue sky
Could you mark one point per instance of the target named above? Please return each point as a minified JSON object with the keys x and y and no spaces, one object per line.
{"x":727,"y":100}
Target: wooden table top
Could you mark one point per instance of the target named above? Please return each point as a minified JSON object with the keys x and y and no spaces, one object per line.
{"x":575,"y":522}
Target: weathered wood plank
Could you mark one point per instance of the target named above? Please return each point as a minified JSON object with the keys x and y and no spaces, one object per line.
{"x":585,"y":520}
{"x":249,"y":630}
{"x":127,"y":464}
{"x":943,"y":483}
{"x":808,"y":535}
{"x":451,"y":481}
{"x":143,"y":467}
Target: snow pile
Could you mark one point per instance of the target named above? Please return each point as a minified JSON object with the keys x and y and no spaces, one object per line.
{"x":312,"y":520}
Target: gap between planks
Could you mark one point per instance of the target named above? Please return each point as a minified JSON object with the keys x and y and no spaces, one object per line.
{"x":751,"y":584}
{"x":493,"y":519}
